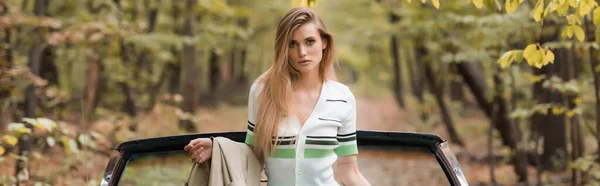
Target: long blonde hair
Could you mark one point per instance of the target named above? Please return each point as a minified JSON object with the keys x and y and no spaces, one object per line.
{"x":275,"y":96}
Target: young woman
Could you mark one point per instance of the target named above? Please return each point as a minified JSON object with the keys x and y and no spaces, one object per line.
{"x":300,"y":121}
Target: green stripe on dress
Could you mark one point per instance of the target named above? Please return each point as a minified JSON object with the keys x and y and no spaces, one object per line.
{"x":321,"y":142}
{"x":317,"y":153}
{"x":249,"y":139}
{"x":284,"y":153}
{"x":344,"y":150}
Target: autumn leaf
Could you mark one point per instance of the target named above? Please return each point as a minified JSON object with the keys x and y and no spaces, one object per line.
{"x":558,"y":110}
{"x":509,"y":57}
{"x":538,"y":11}
{"x":563,"y":8}
{"x":579,"y":34}
{"x":70,"y":145}
{"x":478,"y":3}
{"x":577,"y":100}
{"x":511,"y":6}
{"x":534,"y":78}
{"x":532,"y":54}
{"x":573,"y":3}
{"x":11,"y":140}
{"x":596,"y":15}
{"x":548,"y":57}
{"x":585,"y":6}
{"x":570,"y":113}
{"x":47,"y":124}
{"x":436,"y":3}
{"x":18,"y":128}
{"x":504,"y":60}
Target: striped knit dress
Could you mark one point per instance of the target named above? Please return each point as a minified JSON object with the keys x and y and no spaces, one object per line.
{"x":305,"y":154}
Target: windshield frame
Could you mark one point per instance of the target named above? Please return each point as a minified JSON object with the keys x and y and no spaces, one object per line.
{"x":437,"y":146}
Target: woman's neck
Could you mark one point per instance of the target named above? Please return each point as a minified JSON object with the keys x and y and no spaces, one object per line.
{"x":310,"y":81}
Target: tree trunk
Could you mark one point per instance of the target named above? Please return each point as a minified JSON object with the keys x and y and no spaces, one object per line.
{"x":435,"y":88}
{"x":475,"y":80}
{"x":576,"y":143}
{"x":490,"y":144}
{"x":175,"y":69}
{"x":536,"y":121}
{"x":522,"y":157}
{"x":231,"y":74}
{"x":143,"y":60}
{"x":573,"y":69}
{"x":554,"y":157}
{"x":412,"y":74}
{"x":398,"y":88}
{"x":189,"y":88}
{"x":456,"y":87}
{"x":128,"y":105}
{"x":243,"y":77}
{"x":502,"y":111}
{"x":595,"y":64}
{"x":155,"y":89}
{"x":554,"y":130}
{"x":92,"y":84}
{"x":175,"y":76}
{"x":240,"y":77}
{"x":31,"y":103}
{"x":5,"y":89}
{"x":418,"y":81}
{"x":214,"y":84}
{"x":49,"y":72}
{"x":48,"y":66}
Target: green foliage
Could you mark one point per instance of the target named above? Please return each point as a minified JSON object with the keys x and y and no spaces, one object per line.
{"x":573,"y":11}
{"x":589,"y":165}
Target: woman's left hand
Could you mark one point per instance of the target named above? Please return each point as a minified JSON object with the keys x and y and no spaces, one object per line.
{"x":199,"y":149}
{"x":347,"y":170}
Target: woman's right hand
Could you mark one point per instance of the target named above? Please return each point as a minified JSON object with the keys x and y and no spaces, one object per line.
{"x":199,"y":149}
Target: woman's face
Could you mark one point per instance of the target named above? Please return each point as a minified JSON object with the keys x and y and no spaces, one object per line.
{"x":306,"y":48}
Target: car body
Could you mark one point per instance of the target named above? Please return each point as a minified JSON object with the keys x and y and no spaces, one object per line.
{"x":134,"y":162}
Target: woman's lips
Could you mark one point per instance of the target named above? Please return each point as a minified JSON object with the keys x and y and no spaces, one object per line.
{"x":304,"y":62}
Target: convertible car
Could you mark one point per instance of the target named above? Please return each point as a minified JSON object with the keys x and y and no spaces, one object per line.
{"x":385,"y":158}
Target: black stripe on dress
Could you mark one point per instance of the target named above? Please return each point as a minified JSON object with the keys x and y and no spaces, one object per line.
{"x":336,"y":100}
{"x":334,"y":120}
{"x":321,"y":142}
{"x":321,"y":137}
{"x":284,"y":137}
{"x":353,"y":138}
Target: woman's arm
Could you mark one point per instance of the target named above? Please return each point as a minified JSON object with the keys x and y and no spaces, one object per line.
{"x":348,"y":172}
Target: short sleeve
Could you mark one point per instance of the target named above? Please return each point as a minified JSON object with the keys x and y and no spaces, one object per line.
{"x":346,"y":134}
{"x":252,"y":112}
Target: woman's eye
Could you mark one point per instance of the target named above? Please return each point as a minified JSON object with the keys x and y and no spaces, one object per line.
{"x":310,"y":42}
{"x":292,"y":44}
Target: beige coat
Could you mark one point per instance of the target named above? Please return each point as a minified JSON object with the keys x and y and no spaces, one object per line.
{"x":232,"y":164}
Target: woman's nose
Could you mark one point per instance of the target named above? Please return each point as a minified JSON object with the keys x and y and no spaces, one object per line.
{"x":302,"y":51}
